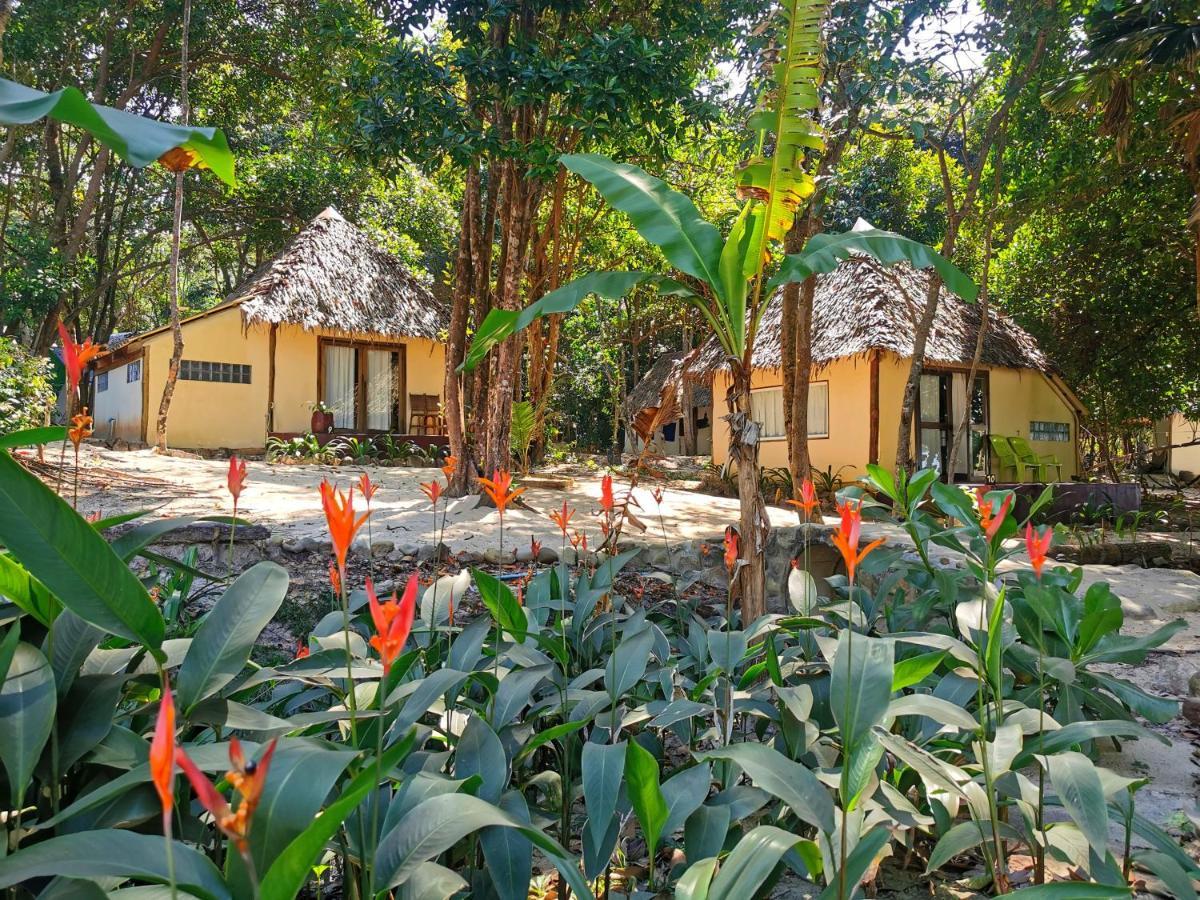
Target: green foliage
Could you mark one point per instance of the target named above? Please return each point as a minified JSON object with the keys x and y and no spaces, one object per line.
{"x":26,"y":392}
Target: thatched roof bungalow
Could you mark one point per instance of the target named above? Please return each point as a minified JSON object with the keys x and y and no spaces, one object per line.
{"x":654,"y":409}
{"x":865,"y":317}
{"x":332,"y":318}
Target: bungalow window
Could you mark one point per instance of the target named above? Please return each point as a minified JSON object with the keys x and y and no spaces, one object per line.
{"x":133,"y":371}
{"x":766,"y":406}
{"x":101,"y":382}
{"x":363,"y":385}
{"x":200,"y":370}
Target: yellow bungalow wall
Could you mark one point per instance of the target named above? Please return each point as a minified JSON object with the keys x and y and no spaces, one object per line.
{"x":1017,"y":397}
{"x":213,"y":415}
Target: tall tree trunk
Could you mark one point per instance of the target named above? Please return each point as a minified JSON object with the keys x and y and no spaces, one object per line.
{"x":687,"y":403}
{"x":164,"y":406}
{"x":753,"y":525}
{"x":460,"y":307}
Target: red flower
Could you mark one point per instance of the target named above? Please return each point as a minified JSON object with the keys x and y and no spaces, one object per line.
{"x":606,"y":494}
{"x":657,"y":494}
{"x":433,"y":491}
{"x":247,"y":778}
{"x":498,"y":488}
{"x":989,"y":524}
{"x":339,"y":516}
{"x":162,"y":754}
{"x":302,"y":650}
{"x":393,"y":621}
{"x":335,"y":580}
{"x":846,"y":537}
{"x":367,"y":487}
{"x":236,"y":479}
{"x":808,"y":501}
{"x":448,"y":466}
{"x":535,"y":548}
{"x":731,"y":549}
{"x":75,"y":356}
{"x":1037,"y":546}
{"x":562,"y":517}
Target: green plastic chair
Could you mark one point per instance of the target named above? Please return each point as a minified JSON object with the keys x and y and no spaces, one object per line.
{"x":1009,"y":459}
{"x":1043,"y":462}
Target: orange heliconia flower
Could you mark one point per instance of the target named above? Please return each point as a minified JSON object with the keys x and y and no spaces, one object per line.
{"x":81,"y":427}
{"x":162,"y":754}
{"x":808,"y":501}
{"x":367,"y":486}
{"x":302,"y":650}
{"x":433,"y":491}
{"x":392,"y":620}
{"x":449,"y":464}
{"x":579,"y":540}
{"x":989,"y":523}
{"x":657,"y":494}
{"x":562,"y":518}
{"x":335,"y":580}
{"x":339,"y":516}
{"x":75,"y":356}
{"x":846,"y":537}
{"x":247,"y":778}
{"x":235,"y":480}
{"x":1037,"y":546}
{"x":498,"y":488}
{"x":606,"y":494}
{"x":179,"y":159}
{"x":535,"y":547}
{"x":731,"y":549}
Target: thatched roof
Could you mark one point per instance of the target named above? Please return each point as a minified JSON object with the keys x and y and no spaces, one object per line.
{"x":332,"y":275}
{"x":658,"y":397}
{"x":864,"y":305}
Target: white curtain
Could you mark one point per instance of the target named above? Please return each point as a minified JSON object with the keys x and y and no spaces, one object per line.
{"x":379,"y":390}
{"x":339,"y":384}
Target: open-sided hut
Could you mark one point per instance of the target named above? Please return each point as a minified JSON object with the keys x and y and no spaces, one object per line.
{"x":654,"y":409}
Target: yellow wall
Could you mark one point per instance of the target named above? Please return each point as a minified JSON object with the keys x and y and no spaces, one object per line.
{"x":1184,"y":459}
{"x":1017,"y":396}
{"x":209,"y":415}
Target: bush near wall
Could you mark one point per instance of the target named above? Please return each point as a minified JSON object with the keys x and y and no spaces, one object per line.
{"x":26,"y":394}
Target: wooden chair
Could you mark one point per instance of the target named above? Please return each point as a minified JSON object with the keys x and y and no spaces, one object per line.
{"x":424,"y":416}
{"x":1009,"y":459}
{"x":1042,"y":463}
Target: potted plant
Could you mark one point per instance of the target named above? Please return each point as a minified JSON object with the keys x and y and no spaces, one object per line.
{"x":322,"y":417}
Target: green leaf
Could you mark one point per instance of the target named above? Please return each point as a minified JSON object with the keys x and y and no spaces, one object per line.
{"x":1074,"y":890}
{"x":62,"y":551}
{"x":291,"y":868}
{"x":751,"y":862}
{"x":861,"y":684}
{"x":507,"y":852}
{"x":1081,"y":793}
{"x":696,"y":880}
{"x":603,"y":768}
{"x":113,"y":853}
{"x":136,"y":139}
{"x":223,"y":643}
{"x":645,"y":793}
{"x":441,"y":822}
{"x":915,"y":669}
{"x":135,"y":540}
{"x":859,"y":860}
{"x":665,"y":218}
{"x":542,"y":738}
{"x":1178,"y":882}
{"x":963,"y":837}
{"x":627,"y":665}
{"x":29,"y":437}
{"x":824,"y":252}
{"x":27,"y":704}
{"x":89,"y":707}
{"x":73,"y":640}
{"x":479,"y":752}
{"x":789,"y":781}
{"x":29,"y":594}
{"x":684,"y":793}
{"x":501,"y":603}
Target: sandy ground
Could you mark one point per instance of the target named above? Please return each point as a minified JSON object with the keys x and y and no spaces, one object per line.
{"x":285,"y":499}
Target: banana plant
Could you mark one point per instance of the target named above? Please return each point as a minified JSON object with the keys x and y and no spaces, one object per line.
{"x":730,"y":278}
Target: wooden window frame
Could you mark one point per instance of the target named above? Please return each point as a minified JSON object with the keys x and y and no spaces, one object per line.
{"x":779,"y":387}
{"x":360,"y":381}
{"x":920,"y":422}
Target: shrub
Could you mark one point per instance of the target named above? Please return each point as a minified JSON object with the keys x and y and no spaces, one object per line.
{"x":26,"y":392}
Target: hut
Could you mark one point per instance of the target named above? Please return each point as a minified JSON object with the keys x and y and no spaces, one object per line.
{"x":655,"y":410}
{"x":864,"y":320}
{"x":332,"y":322}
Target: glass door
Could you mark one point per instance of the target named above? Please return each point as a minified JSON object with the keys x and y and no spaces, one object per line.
{"x":381,"y":390}
{"x":933,"y":422}
{"x":340,"y":379}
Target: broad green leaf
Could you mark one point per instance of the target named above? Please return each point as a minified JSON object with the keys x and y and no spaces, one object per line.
{"x":859,"y":693}
{"x":915,"y":669}
{"x":941,"y":711}
{"x":825,"y":252}
{"x":705,"y":830}
{"x":1081,"y":793}
{"x":751,"y":862}
{"x":603,"y":769}
{"x":27,"y":592}
{"x":441,"y":822}
{"x":62,"y":551}
{"x":515,"y":693}
{"x":645,"y":793}
{"x":1074,"y":890}
{"x":30,"y":437}
{"x":479,"y":752}
{"x":789,"y":781}
{"x":223,"y":643}
{"x":966,"y":836}
{"x":88,"y":716}
{"x":627,"y":665}
{"x":137,"y":539}
{"x":501,"y":603}
{"x":291,"y":868}
{"x":508,"y":853}
{"x":696,"y":880}
{"x":1178,"y":882}
{"x":27,"y":704}
{"x":136,"y":139}
{"x":114,"y":853}
{"x":684,"y":793}
{"x":665,"y":218}
{"x":74,"y":639}
{"x":550,"y":734}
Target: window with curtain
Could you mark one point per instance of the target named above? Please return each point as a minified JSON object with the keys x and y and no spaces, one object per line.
{"x":766,"y":406}
{"x":341,"y":378}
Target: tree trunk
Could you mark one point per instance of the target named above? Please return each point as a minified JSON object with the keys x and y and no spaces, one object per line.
{"x":687,"y":436}
{"x":460,"y":305}
{"x":164,"y":406}
{"x":753,"y":527}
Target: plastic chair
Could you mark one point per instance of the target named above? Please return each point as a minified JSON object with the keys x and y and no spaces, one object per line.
{"x":1043,"y":462}
{"x":1009,"y":459}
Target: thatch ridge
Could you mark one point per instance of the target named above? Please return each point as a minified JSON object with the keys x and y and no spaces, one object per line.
{"x":333,"y":276}
{"x":863,"y":305}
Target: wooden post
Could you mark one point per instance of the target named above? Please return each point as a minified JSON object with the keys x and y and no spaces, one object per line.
{"x":271,"y":379}
{"x":874,"y":439}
